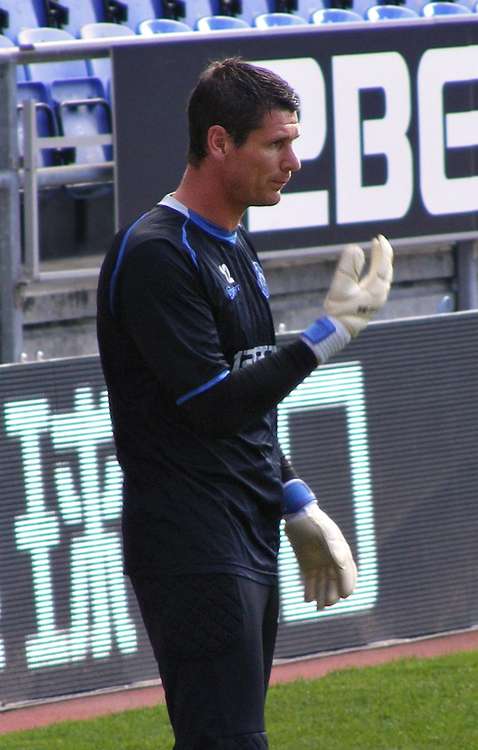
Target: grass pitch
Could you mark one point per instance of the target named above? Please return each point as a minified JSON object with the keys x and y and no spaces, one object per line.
{"x":410,"y":704}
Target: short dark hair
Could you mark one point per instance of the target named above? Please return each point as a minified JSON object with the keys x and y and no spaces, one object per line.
{"x":236,"y":95}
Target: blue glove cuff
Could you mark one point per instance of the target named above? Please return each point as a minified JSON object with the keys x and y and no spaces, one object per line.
{"x":296,"y":494}
{"x":319,"y":330}
{"x":326,"y":337}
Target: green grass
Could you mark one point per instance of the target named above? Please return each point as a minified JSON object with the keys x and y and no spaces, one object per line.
{"x":410,"y":704}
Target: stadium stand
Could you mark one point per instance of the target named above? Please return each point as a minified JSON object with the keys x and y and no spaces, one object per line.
{"x":161,"y":26}
{"x":444,"y":8}
{"x":5,"y":41}
{"x":269,"y":20}
{"x":388,"y":12}
{"x":51,"y":71}
{"x":142,"y":10}
{"x":76,"y":97}
{"x":219,"y":23}
{"x":46,"y":122}
{"x":26,"y":14}
{"x":81,"y":12}
{"x":249,"y":9}
{"x":334,"y":15}
{"x":101,"y":67}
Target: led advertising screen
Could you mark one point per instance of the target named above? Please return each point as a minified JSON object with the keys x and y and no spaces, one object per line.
{"x":386,"y":434}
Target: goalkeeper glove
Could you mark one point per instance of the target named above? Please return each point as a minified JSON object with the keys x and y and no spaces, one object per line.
{"x":351,"y":301}
{"x":325,"y":559}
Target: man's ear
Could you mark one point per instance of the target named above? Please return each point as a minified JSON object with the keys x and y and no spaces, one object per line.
{"x":218,"y":141}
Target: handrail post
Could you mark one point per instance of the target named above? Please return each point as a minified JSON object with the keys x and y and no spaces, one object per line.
{"x":11,"y":314}
{"x":30,"y":191}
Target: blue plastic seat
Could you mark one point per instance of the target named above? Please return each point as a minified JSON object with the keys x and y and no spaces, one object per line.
{"x":5,"y":41}
{"x":443,"y":8}
{"x":50,"y":71}
{"x":83,"y":110}
{"x":269,"y":20}
{"x":154,"y":26}
{"x":101,"y":67}
{"x":46,"y":122}
{"x":389,"y":13}
{"x":77,"y":98}
{"x":219,"y":23}
{"x":81,"y":12}
{"x":141,"y":10}
{"x":24,"y":14}
{"x":253,"y":8}
{"x":335,"y":15}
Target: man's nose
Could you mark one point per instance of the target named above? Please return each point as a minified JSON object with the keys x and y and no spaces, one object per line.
{"x":292,"y":162}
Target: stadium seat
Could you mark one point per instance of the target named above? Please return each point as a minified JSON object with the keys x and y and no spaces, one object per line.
{"x":51,"y":71}
{"x":195,"y":9}
{"x":219,"y":23}
{"x":161,"y":26}
{"x":389,"y":13}
{"x":101,"y":67}
{"x":46,"y":122}
{"x":23,"y":14}
{"x":81,"y":12}
{"x":83,"y":110}
{"x":268,"y":20}
{"x":444,"y":8}
{"x":334,"y":15}
{"x":141,"y":10}
{"x":5,"y":41}
{"x":77,"y":98}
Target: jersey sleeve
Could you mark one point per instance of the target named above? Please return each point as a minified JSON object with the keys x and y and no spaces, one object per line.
{"x":162,"y":306}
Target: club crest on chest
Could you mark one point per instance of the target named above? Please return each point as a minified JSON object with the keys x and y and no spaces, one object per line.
{"x":261,"y":279}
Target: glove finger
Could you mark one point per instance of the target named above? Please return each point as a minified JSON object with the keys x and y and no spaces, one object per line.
{"x":347,"y":577}
{"x":384,"y":259}
{"x":381,"y":263}
{"x":332,"y":595}
{"x":321,"y":589}
{"x":351,"y":263}
{"x":310,"y":586}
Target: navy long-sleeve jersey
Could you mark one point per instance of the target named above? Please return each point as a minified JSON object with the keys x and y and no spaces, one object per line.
{"x":188,"y":351}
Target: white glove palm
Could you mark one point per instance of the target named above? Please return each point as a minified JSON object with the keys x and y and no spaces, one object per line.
{"x":352,"y":300}
{"x":324,"y":556}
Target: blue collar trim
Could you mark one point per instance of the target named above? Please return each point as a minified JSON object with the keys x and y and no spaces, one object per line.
{"x":200,"y":221}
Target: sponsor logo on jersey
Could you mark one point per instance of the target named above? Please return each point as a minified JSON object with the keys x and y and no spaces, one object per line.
{"x":249,"y":356}
{"x":261,"y":279}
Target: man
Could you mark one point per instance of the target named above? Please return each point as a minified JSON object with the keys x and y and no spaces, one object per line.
{"x":188,"y":350}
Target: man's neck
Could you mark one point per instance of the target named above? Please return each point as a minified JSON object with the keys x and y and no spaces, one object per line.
{"x":199,"y":191}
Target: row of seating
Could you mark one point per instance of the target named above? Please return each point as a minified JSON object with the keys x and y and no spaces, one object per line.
{"x":73,"y":97}
{"x":74,"y":15}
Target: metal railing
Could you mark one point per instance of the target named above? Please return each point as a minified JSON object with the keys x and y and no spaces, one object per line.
{"x":32,"y":177}
{"x":28,"y":177}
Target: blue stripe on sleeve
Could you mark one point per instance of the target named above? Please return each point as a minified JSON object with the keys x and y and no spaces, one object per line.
{"x":204,"y":387}
{"x":119,"y":260}
{"x":191,"y":250}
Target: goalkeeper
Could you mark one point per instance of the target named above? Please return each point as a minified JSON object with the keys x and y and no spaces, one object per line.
{"x":188,"y":351}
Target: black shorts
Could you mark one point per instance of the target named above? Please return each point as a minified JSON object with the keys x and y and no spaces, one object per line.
{"x":213,"y":637}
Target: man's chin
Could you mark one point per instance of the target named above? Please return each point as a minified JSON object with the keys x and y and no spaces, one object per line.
{"x":271,"y":200}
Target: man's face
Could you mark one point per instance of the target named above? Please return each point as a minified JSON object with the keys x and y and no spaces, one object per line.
{"x":256,"y":171}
